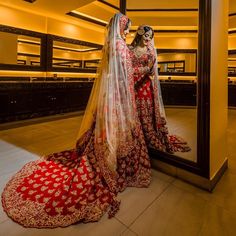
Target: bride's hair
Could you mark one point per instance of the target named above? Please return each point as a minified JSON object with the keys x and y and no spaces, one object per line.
{"x":140,"y":32}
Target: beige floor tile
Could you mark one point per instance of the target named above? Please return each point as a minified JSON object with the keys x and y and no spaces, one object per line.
{"x":12,"y":158}
{"x":46,"y":137}
{"x":162,"y":176}
{"x":135,"y":200}
{"x":105,"y":227}
{"x":58,"y":144}
{"x":223,"y":195}
{"x":192,"y":189}
{"x":3,"y":180}
{"x":218,"y":222}
{"x":183,"y":122}
{"x":128,"y":232}
{"x":12,"y":166}
{"x":159,"y":183}
{"x":176,"y":212}
{"x":3,"y":217}
{"x":28,"y":135}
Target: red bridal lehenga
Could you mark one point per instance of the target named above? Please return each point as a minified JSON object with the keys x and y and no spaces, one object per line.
{"x":149,"y":103}
{"x":80,"y":185}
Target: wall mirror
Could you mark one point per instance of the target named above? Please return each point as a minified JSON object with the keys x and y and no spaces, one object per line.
{"x":72,"y":55}
{"x":21,"y":49}
{"x":177,"y":62}
{"x":28,"y":50}
{"x":232,"y":63}
{"x":175,"y":27}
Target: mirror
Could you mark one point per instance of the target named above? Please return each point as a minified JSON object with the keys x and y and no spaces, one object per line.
{"x":175,"y":27}
{"x":21,"y":49}
{"x":28,"y":50}
{"x":177,"y":62}
{"x":232,"y":63}
{"x":73,"y":55}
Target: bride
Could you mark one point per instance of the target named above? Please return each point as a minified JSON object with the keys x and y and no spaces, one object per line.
{"x":110,"y":154}
{"x":148,"y":94}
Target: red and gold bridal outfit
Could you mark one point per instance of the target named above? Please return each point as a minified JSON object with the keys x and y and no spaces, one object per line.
{"x":80,"y":185}
{"x":148,"y":105}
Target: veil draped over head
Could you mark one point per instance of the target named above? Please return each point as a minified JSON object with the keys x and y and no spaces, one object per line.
{"x":158,"y":102}
{"x":111,"y":106}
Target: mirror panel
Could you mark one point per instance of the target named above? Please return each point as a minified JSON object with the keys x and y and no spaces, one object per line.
{"x":232,"y":63}
{"x":28,"y":50}
{"x":73,"y":55}
{"x":177,"y":62}
{"x":175,"y":26}
{"x":21,"y":49}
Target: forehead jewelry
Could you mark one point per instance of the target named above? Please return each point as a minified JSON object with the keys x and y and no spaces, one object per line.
{"x":141,"y":31}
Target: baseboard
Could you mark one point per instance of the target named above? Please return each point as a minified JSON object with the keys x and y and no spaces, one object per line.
{"x":219,"y":174}
{"x":196,"y":180}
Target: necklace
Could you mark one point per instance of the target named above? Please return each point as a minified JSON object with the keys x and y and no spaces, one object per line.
{"x":139,"y":51}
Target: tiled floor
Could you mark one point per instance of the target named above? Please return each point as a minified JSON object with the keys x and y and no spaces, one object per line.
{"x":168,"y":207}
{"x":183,"y":123}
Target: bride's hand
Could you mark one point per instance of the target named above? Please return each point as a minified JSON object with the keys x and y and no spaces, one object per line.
{"x":151,"y":67}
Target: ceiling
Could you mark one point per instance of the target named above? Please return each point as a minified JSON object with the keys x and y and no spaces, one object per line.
{"x":46,"y":6}
{"x":99,"y":11}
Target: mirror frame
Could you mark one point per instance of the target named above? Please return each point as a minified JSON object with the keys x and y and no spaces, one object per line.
{"x":50,"y":68}
{"x":201,"y":166}
{"x":43,"y":52}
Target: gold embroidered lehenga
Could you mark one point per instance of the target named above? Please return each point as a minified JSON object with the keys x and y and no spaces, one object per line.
{"x":148,"y":95}
{"x":110,"y":154}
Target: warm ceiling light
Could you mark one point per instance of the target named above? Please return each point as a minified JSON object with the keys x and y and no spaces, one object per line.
{"x":30,"y":1}
{"x":28,"y":41}
{"x":74,"y":49}
{"x":88,"y":16}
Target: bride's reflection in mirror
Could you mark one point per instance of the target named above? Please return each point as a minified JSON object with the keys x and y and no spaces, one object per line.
{"x":148,"y":94}
{"x":174,"y":33}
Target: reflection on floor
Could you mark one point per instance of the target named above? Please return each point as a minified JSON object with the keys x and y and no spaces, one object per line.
{"x":183,"y":122}
{"x":168,"y":207}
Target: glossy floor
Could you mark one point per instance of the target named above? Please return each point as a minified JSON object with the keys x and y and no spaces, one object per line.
{"x":168,"y":207}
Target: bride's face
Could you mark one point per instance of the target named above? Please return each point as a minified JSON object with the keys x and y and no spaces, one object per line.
{"x":126,"y":31}
{"x":146,"y":38}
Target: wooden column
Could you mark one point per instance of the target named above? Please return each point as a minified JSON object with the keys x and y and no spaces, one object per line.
{"x":123,"y":6}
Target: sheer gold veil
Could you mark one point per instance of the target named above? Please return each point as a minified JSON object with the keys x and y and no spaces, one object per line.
{"x":111,"y":106}
{"x":158,"y":101}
